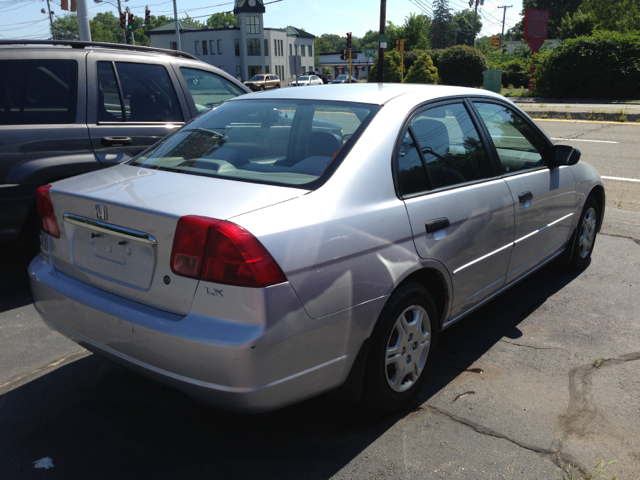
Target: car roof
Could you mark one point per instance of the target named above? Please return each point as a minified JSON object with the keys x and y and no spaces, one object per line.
{"x":372,"y":93}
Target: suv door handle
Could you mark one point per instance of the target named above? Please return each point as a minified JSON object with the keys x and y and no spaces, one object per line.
{"x":525,"y":197}
{"x":437,"y":224}
{"x":116,"y":141}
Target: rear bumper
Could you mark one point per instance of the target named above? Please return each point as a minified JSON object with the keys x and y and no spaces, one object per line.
{"x":233,"y":365}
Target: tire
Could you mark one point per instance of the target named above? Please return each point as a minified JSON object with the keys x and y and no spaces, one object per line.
{"x":277,"y":85}
{"x":397,"y":364}
{"x":262,"y":88}
{"x":585,"y":235}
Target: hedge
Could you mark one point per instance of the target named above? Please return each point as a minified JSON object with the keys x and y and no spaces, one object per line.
{"x":461,"y":65}
{"x":606,"y":65}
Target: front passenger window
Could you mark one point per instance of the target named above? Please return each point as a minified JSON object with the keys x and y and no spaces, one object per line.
{"x":450,"y":146}
{"x":518,"y":145}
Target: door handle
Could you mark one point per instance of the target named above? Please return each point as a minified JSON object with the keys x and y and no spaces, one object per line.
{"x":525,"y":197}
{"x":116,"y":141}
{"x":437,"y":224}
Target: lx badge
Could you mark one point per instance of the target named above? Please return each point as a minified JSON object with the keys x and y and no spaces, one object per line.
{"x":214,"y":291}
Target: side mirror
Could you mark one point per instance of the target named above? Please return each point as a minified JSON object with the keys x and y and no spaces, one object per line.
{"x":565,"y":155}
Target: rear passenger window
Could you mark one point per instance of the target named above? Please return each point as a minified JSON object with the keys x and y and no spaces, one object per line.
{"x":38,"y":92}
{"x":450,"y":146}
{"x":208,"y":89}
{"x":146,"y":90}
{"x":518,"y":145}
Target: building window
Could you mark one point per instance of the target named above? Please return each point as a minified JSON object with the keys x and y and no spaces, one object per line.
{"x":310,"y":51}
{"x":237,"y":47}
{"x":266,"y":69}
{"x":204,"y":48}
{"x":275,"y":47}
{"x":282,"y":48}
{"x":212,"y":47}
{"x":297,"y":53}
{"x":253,"y":47}
{"x":303,"y":50}
{"x":220,"y":47}
{"x":290,"y":50}
{"x":173,"y":45}
{"x":198,"y":47}
{"x":239,"y":73}
{"x":266,"y":48}
{"x":253,"y":24}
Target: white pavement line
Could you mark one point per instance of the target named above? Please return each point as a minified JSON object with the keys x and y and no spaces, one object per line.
{"x":582,"y":140}
{"x":622,"y":179}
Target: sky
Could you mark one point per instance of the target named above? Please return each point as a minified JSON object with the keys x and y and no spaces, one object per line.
{"x":23,"y":18}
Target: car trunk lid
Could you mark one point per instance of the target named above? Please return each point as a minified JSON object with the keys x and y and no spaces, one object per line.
{"x":117,"y":227}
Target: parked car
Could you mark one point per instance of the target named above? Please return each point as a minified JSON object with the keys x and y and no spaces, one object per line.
{"x":344,"y":79}
{"x":68,"y":108}
{"x":306,"y":81}
{"x":324,"y":78}
{"x":254,"y":263}
{"x":262,"y":82}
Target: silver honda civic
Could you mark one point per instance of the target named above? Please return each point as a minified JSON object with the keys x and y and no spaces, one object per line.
{"x":298,"y":241}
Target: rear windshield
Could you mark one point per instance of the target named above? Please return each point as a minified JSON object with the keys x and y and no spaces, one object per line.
{"x":278,"y":142}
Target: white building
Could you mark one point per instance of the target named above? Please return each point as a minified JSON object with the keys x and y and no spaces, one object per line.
{"x":247,"y":49}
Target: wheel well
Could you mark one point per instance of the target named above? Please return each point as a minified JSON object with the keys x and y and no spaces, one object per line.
{"x":598,"y":194}
{"x":437,"y":286}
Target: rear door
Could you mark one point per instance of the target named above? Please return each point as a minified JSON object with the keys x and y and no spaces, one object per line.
{"x":131,"y":104}
{"x":461,"y":213}
{"x":545,"y":198}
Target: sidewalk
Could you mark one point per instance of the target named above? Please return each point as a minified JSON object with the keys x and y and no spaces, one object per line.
{"x":574,"y":109}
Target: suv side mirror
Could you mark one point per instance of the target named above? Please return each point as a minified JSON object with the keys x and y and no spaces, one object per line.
{"x":565,"y":155}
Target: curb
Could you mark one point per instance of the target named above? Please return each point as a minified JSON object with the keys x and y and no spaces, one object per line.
{"x":593,"y":116}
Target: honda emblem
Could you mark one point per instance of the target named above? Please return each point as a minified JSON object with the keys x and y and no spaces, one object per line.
{"x":101,"y":213}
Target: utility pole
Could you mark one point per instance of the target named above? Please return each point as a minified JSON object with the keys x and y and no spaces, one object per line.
{"x":504,"y":17}
{"x":175,"y":16}
{"x":83,"y":20}
{"x":475,"y":19}
{"x":383,"y":23}
{"x":53,"y":30}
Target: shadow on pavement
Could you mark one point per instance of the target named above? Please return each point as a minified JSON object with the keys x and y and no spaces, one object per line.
{"x":98,"y":421}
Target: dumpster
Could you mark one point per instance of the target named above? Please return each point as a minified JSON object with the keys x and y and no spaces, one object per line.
{"x":492,"y":80}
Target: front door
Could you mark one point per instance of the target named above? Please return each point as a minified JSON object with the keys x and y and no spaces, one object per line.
{"x":131,"y":106}
{"x":460,"y":212}
{"x":545,"y":198}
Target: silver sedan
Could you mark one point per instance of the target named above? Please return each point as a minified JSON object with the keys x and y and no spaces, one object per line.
{"x":299,"y":241}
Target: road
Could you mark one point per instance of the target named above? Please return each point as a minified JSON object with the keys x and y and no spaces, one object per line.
{"x":550,"y":372}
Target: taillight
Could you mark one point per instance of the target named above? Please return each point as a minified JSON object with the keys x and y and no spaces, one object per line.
{"x":45,"y":212}
{"x":222,"y":252}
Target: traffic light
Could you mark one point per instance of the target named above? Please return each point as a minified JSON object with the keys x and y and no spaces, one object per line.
{"x":400,"y":45}
{"x":349,"y":40}
{"x":344,"y":55}
{"x":123,"y":20}
{"x":147,"y":15}
{"x":130,"y":26}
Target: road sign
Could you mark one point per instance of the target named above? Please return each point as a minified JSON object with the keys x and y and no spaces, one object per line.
{"x":369,"y":53}
{"x":536,"y":28}
{"x":383,"y":37}
{"x":495,"y":41}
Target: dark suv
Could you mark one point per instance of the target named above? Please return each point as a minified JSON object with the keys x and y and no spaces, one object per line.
{"x":68,"y":108}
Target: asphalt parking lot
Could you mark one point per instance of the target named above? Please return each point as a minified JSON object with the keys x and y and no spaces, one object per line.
{"x":542,"y":378}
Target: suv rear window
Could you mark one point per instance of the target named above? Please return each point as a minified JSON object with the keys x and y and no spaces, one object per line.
{"x":278,"y":142}
{"x":36,"y":92}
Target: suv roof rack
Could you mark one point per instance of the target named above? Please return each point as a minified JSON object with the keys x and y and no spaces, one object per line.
{"x":114,"y":46}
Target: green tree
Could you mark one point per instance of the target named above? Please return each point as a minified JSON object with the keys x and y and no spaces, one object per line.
{"x":462,"y":65}
{"x":370,"y":40}
{"x":191,"y":21}
{"x":441,"y":24}
{"x":336,"y":41}
{"x":577,"y":25}
{"x":66,"y":27}
{"x":391,"y":68}
{"x":614,"y":15}
{"x":416,"y":32}
{"x":221,"y":20}
{"x":322,"y":45}
{"x":462,"y":23}
{"x":422,"y":71}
